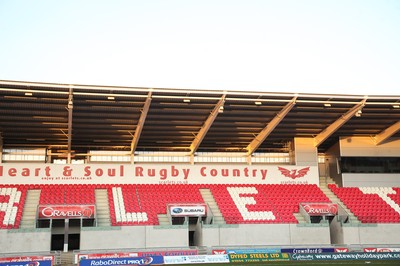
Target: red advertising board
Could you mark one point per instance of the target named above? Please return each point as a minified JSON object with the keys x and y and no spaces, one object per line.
{"x":341,"y":250}
{"x":218,"y":251}
{"x":318,"y":209}
{"x":381,"y":249}
{"x":66,"y":211}
{"x":27,"y":259}
{"x":184,"y":252}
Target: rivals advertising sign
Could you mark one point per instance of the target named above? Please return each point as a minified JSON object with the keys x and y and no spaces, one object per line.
{"x":66,"y":211}
{"x":167,"y":173}
{"x":318,"y":209}
{"x":188,"y":210}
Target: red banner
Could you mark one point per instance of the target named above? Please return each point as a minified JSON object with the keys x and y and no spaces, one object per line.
{"x":66,"y":211}
{"x":381,"y":249}
{"x":318,"y":209}
{"x":27,"y":259}
{"x":341,"y":250}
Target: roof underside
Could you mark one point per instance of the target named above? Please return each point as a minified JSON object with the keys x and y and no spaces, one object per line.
{"x":106,"y":118}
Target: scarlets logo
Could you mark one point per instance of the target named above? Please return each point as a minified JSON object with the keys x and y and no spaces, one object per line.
{"x":293,"y":174}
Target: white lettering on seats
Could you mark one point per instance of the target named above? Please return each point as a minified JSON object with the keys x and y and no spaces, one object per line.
{"x":120,"y":213}
{"x":383,"y":192}
{"x":241,"y":203}
{"x":8,"y":207}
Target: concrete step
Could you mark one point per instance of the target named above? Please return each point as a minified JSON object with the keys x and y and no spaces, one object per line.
{"x":67,"y":258}
{"x":299,"y":218}
{"x":29,"y":212}
{"x":102,"y":207}
{"x":210,"y":201}
{"x":163,"y":219}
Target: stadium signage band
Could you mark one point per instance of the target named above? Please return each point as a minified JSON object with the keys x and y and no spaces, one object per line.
{"x":28,"y":260}
{"x":14,"y":173}
{"x":151,"y":260}
{"x":196,"y":259}
{"x":318,"y":209}
{"x":138,"y":254}
{"x":381,"y":249}
{"x":342,"y":250}
{"x":66,"y":211}
{"x":187,"y":210}
{"x":256,"y":250}
{"x":307,"y":250}
{"x":348,"y":256}
{"x":28,"y":263}
{"x":258,"y":257}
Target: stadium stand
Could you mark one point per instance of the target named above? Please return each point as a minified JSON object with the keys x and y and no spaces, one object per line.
{"x":371,"y":204}
{"x":140,"y":204}
{"x":12,"y":200}
{"x":67,"y":194}
{"x":254,"y":160}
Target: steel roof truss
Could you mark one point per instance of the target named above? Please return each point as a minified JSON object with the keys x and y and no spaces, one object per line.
{"x":332,"y":128}
{"x":387,"y":133}
{"x":206,"y":126}
{"x":140,"y":124}
{"x":70,"y":106}
{"x":259,"y":139}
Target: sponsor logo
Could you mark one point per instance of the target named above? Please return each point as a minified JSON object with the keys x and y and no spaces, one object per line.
{"x":219,"y":252}
{"x":33,"y":263}
{"x":70,"y":211}
{"x":147,"y":260}
{"x":370,"y":250}
{"x":320,"y":208}
{"x":177,"y":210}
{"x":341,"y":250}
{"x":293,"y":174}
{"x":187,"y":210}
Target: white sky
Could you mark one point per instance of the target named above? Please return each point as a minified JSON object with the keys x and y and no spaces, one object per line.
{"x":320,"y":46}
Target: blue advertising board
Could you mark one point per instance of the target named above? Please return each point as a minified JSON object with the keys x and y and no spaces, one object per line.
{"x":307,"y":250}
{"x":150,"y":260}
{"x":348,"y":256}
{"x":258,"y":250}
{"x":28,"y":263}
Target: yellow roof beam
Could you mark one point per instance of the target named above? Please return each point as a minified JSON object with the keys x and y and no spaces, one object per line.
{"x":206,"y":126}
{"x":387,"y":133}
{"x":332,"y":128}
{"x":140,"y":124}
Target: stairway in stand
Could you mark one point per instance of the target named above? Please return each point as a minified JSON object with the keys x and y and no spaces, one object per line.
{"x":67,"y":258}
{"x":323,"y":185}
{"x":29,"y":213}
{"x":210,"y":201}
{"x":102,"y":207}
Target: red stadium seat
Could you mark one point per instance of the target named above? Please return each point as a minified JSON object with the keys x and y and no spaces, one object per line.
{"x":372,"y":204}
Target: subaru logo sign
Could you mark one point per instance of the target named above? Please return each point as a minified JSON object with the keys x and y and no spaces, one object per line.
{"x":177,"y":210}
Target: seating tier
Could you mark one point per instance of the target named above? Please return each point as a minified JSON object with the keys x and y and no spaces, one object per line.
{"x":371,"y":204}
{"x":264,"y":203}
{"x":12,"y":200}
{"x":141,"y":204}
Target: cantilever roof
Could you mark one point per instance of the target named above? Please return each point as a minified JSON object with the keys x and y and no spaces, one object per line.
{"x":82,"y":118}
